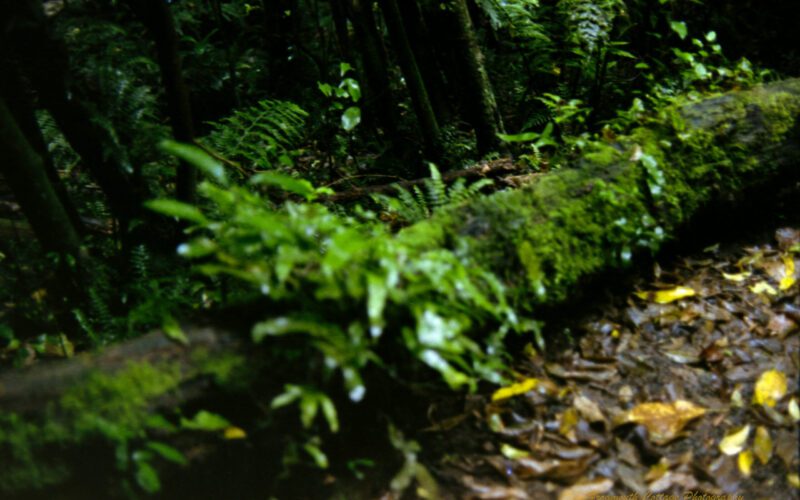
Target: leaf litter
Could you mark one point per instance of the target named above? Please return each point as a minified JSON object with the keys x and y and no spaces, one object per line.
{"x":687,"y":385}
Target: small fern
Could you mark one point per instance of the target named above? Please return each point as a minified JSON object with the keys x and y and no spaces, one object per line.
{"x":590,"y":22}
{"x":259,"y":136}
{"x":416,"y":204}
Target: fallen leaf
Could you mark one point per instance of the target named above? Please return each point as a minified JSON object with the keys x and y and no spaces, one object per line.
{"x":745,"y":462}
{"x":733,"y":442}
{"x":793,"y":479}
{"x":738,"y":277}
{"x":667,"y":296}
{"x":770,"y":388}
{"x":763,"y":287}
{"x":512,"y":453}
{"x":234,"y":432}
{"x":515,"y":389}
{"x":588,"y":409}
{"x":788,"y":273}
{"x":664,"y":420}
{"x":794,"y":410}
{"x":762,"y":445}
{"x":586,"y":490}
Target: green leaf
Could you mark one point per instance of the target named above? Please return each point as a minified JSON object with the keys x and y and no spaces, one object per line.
{"x":351,"y":118}
{"x":205,"y":421}
{"x":177,"y":209}
{"x":329,"y":410}
{"x":290,"y":394}
{"x":146,"y":475}
{"x":353,"y":88}
{"x":523,"y":137}
{"x":167,"y":452}
{"x":197,"y":157}
{"x":376,"y":300}
{"x":317,"y":454}
{"x":679,"y":27}
{"x":199,"y":247}
{"x":173,"y":331}
{"x":325,"y":89}
{"x":344,"y":68}
{"x":285,"y":182}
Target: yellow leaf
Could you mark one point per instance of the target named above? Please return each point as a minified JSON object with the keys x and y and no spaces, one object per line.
{"x":763,"y":287}
{"x":512,"y":453}
{"x":615,"y":333}
{"x":770,"y":388}
{"x":794,"y":410}
{"x":667,"y":296}
{"x":746,"y":462}
{"x":793,"y":479}
{"x":734,"y":441}
{"x":664,"y":420}
{"x":788,"y":273}
{"x":738,"y":277}
{"x":234,"y":432}
{"x":515,"y":389}
{"x":762,"y":445}
{"x":569,"y":419}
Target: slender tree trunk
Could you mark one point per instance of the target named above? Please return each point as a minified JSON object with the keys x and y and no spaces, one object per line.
{"x":45,"y":59}
{"x":480,"y":104}
{"x":421,"y":44}
{"x":157,"y":17}
{"x":420,"y":98}
{"x":21,"y":108}
{"x":24,"y":170}
{"x":340,"y":25}
{"x":380,"y":100}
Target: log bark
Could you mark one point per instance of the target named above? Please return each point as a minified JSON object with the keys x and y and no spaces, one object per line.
{"x":625,"y":197}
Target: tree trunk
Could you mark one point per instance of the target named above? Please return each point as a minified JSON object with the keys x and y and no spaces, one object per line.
{"x":420,"y":100}
{"x":157,"y":17}
{"x":542,"y":240}
{"x":481,"y":105}
{"x":24,"y":170}
{"x":380,"y":99}
{"x":342,"y":32}
{"x":46,"y":61}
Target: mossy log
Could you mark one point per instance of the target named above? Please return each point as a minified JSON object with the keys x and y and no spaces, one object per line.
{"x":623,"y":197}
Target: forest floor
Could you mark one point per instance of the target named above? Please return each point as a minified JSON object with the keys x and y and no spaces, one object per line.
{"x":689,"y":384}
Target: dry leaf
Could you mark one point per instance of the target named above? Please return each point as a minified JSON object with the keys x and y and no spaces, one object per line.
{"x":762,"y":445}
{"x":794,"y":410}
{"x":733,"y":442}
{"x":588,"y":490}
{"x":745,"y":462}
{"x":793,"y":479}
{"x":788,"y":273}
{"x":664,"y":420}
{"x":515,"y":389}
{"x":770,"y":388}
{"x":588,"y":409}
{"x":763,"y":287}
{"x":667,"y":296}
{"x":738,"y":277}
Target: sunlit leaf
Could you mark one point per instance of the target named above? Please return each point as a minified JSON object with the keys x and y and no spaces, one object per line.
{"x":667,"y":296}
{"x":177,"y":209}
{"x":738,"y":277}
{"x":734,"y":441}
{"x":794,"y":410}
{"x":319,"y":457}
{"x":512,"y":453}
{"x":793,"y":479}
{"x":515,"y":389}
{"x":234,"y":432}
{"x":173,"y":331}
{"x":770,"y":388}
{"x":205,"y":421}
{"x":762,"y":444}
{"x":198,"y":158}
{"x":167,"y":452}
{"x":351,"y":118}
{"x":297,"y":186}
{"x":199,"y":247}
{"x":679,"y":27}
{"x":763,"y":287}
{"x":665,"y":420}
{"x":788,"y":273}
{"x":745,"y":462}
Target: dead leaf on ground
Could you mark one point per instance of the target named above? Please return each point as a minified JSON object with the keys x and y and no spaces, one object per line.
{"x":587,"y":490}
{"x":664,"y":421}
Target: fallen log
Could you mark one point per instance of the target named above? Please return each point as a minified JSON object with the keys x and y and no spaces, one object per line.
{"x":624,"y":197}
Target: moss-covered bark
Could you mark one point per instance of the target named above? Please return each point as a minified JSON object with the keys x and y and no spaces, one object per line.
{"x":627,"y":196}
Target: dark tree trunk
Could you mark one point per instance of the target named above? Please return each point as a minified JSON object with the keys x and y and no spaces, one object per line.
{"x":24,"y":171}
{"x":340,"y":25}
{"x":421,"y":44}
{"x":480,"y":102}
{"x":45,"y":59}
{"x":420,"y":99}
{"x":380,"y":100}
{"x":157,"y":17}
{"x":21,"y":107}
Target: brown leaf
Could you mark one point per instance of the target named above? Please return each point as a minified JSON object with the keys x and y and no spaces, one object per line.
{"x":586,"y":490}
